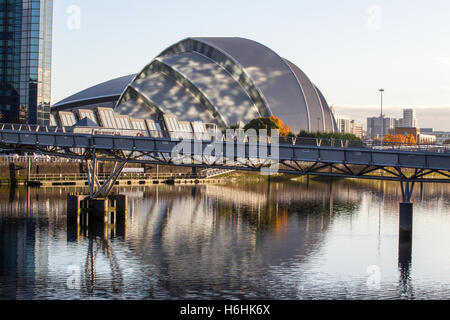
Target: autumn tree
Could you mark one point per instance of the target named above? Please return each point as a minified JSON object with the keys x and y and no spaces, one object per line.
{"x":269,"y":123}
{"x":410,"y":139}
{"x":399,"y":139}
{"x":285,"y":130}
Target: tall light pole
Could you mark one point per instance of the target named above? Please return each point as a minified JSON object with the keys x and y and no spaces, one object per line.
{"x":381,"y":116}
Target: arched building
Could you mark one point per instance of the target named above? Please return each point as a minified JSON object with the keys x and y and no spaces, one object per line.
{"x":214,"y":80}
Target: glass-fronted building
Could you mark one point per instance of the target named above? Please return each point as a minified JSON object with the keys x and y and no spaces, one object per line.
{"x":25,"y":60}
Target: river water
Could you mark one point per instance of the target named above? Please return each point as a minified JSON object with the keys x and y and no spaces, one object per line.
{"x":302,"y":240}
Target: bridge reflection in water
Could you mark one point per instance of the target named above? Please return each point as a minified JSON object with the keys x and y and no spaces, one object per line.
{"x":290,"y":240}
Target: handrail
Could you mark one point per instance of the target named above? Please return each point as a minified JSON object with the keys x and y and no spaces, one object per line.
{"x":240,"y":136}
{"x":123,"y":176}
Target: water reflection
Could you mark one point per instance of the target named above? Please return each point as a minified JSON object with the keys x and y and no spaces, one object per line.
{"x":304,"y":240}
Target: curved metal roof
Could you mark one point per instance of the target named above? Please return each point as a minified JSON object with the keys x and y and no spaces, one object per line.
{"x":270,"y":74}
{"x":216,"y":84}
{"x":220,"y":80}
{"x":105,"y":91}
{"x":239,"y":79}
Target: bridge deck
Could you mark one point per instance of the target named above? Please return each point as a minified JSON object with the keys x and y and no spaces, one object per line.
{"x":296,"y":156}
{"x":439,"y":160}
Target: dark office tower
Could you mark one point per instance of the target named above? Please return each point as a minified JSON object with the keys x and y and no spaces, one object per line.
{"x":25,"y":60}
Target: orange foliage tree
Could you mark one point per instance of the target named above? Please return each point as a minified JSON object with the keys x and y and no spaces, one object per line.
{"x":285,"y":130}
{"x":399,"y":139}
{"x":410,"y":139}
{"x":269,"y":123}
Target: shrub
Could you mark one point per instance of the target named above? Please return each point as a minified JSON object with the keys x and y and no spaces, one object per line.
{"x":328,"y":135}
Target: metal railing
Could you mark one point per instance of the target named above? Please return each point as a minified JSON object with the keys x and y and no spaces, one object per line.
{"x":239,"y":136}
{"x":35,"y":158}
{"x":123,"y":176}
{"x":111,"y":131}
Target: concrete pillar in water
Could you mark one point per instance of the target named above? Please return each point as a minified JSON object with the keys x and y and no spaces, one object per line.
{"x":406,"y":221}
{"x":95,"y":214}
{"x":75,"y":216}
{"x":28,"y":170}
{"x":121,"y":203}
{"x":100,"y":209}
{"x":73,"y":205}
{"x":121,"y":214}
{"x":98,"y":217}
{"x":12,"y":173}
{"x":405,"y":238}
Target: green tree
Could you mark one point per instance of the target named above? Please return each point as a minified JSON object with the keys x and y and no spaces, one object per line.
{"x":262,"y":123}
{"x":328,"y":135}
{"x":269,"y":123}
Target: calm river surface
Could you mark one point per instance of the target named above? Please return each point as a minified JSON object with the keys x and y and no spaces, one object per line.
{"x":316,"y":240}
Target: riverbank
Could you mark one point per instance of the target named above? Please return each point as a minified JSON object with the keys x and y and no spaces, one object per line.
{"x":17,"y":170}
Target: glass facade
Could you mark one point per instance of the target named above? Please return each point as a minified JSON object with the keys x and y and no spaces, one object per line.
{"x":67,"y":119}
{"x":25,"y":60}
{"x":125,"y":125}
{"x":154,"y":129}
{"x":107,"y":118}
{"x":225,"y":62}
{"x":84,"y":113}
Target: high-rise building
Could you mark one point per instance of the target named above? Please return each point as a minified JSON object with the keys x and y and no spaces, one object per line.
{"x":343,"y":124}
{"x":376,"y":128}
{"x":356,"y":129}
{"x":409,"y":119}
{"x":25,"y":60}
{"x":346,"y":125}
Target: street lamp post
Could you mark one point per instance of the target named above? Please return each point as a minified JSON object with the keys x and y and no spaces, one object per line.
{"x":381,"y":116}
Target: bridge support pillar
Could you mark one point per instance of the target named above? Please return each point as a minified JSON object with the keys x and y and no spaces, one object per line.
{"x":100,"y":209}
{"x":406,"y":221}
{"x":96,"y":216}
{"x":121,"y":203}
{"x":405,"y":242}
{"x":405,"y":228}
{"x":75,"y":204}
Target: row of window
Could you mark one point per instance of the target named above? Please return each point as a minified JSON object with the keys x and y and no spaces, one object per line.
{"x":108,"y":119}
{"x":171,"y":123}
{"x":88,"y":114}
{"x":67,"y":119}
{"x":138,"y":124}
{"x":123,"y":122}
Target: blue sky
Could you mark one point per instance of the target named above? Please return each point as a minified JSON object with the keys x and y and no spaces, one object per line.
{"x":348,"y":48}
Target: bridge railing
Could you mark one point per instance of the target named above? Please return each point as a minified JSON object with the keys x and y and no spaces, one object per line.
{"x":104,"y":176}
{"x":34,"y":158}
{"x":239,"y":136}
